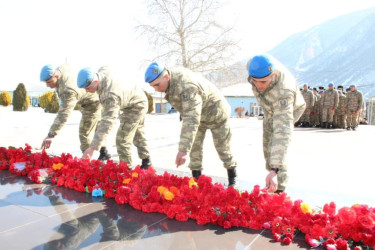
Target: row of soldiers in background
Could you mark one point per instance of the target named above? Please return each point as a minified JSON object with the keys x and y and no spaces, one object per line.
{"x":331,"y":108}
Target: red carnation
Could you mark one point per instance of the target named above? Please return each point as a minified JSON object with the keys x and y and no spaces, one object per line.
{"x":347,"y":215}
{"x":287,"y":240}
{"x":277,"y":237}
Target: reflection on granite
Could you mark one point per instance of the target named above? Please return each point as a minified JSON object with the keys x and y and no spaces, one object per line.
{"x":52,"y":217}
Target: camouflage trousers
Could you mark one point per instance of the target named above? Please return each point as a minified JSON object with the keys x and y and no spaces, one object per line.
{"x":352,"y":118}
{"x":91,"y":115}
{"x":306,"y":116}
{"x":282,"y":175}
{"x":315,"y":117}
{"x":327,"y":115}
{"x":132,"y":131}
{"x":221,"y":135}
{"x":339,"y":119}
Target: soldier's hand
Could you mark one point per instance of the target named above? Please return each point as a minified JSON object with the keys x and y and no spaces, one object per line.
{"x":181,"y":158}
{"x":47,"y":142}
{"x":88,"y":153}
{"x":271,"y":182}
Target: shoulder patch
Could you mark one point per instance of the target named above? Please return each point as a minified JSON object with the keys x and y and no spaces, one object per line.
{"x":185,"y":96}
{"x":283,"y":103}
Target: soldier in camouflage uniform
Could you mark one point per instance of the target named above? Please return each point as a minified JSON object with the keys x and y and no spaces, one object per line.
{"x":330,"y":103}
{"x":202,"y":107}
{"x":309,"y":100}
{"x":353,"y":106}
{"x":314,"y":118}
{"x":320,"y":106}
{"x":276,"y":91}
{"x":339,"y":120}
{"x":129,"y":103}
{"x":63,"y":81}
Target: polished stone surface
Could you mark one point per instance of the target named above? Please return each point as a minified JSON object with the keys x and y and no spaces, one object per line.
{"x":42,"y":216}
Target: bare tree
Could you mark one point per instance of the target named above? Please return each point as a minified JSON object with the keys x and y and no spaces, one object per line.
{"x":184,"y":32}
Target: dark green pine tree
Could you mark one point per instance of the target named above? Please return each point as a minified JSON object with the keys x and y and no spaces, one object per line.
{"x":20,"y":100}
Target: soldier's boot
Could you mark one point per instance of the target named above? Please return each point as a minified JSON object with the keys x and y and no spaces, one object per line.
{"x":232,"y":177}
{"x":104,"y":154}
{"x":196,"y":173}
{"x":324,"y":124}
{"x":307,"y":125}
{"x":348,"y":128}
{"x":330,"y":125}
{"x":146,"y":163}
{"x":354,"y":128}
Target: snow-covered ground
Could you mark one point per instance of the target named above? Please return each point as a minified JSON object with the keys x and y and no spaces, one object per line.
{"x":324,"y":165}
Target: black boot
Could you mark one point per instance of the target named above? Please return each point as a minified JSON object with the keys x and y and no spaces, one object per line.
{"x":196,"y":173}
{"x":330,"y":125}
{"x":104,"y":154}
{"x":146,"y":163}
{"x":307,"y":125}
{"x":232,"y":177}
{"x":324,"y":124}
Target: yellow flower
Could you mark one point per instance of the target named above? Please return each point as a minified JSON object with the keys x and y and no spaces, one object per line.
{"x":126,"y":181}
{"x":192,"y":183}
{"x":305,"y":208}
{"x":162,"y":189}
{"x":135,"y":174}
{"x":57,"y":166}
{"x":168,"y":195}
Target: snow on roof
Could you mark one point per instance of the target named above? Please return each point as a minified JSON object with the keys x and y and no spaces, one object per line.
{"x":240,"y":89}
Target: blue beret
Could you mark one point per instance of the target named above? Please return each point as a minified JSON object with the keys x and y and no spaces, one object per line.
{"x":321,"y":91}
{"x":330,"y":84}
{"x":153,"y":71}
{"x":85,"y":77}
{"x":260,"y":66}
{"x":352,"y":86}
{"x":47,"y":72}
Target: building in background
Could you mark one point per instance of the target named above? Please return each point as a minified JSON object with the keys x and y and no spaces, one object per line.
{"x":241,"y":96}
{"x":161,"y":106}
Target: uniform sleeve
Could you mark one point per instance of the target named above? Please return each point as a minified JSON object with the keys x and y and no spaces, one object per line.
{"x":69,"y":100}
{"x":111,"y":109}
{"x":282,"y":127}
{"x":360,"y":101}
{"x":191,"y":115}
{"x":336,"y":100}
{"x":312,"y":100}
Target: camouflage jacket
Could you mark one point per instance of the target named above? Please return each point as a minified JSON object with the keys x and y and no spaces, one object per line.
{"x":330,"y":98}
{"x":283,"y":105}
{"x":114,"y":99}
{"x":317,"y":98}
{"x":70,"y":95}
{"x":342,"y":104}
{"x":199,"y":102}
{"x":354,"y":100}
{"x":309,"y":98}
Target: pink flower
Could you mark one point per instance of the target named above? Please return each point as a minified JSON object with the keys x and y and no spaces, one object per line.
{"x":267,"y":225}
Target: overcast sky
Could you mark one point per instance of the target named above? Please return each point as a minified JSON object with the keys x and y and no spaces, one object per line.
{"x":95,"y":33}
